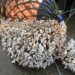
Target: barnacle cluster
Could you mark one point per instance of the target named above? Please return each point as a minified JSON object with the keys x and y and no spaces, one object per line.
{"x":33,"y":43}
{"x":68,"y":55}
{"x":37,"y":43}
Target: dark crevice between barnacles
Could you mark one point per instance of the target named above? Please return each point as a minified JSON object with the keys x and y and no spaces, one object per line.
{"x":39,"y":41}
{"x":35,"y":41}
{"x":33,"y":35}
{"x":26,"y":50}
{"x":47,"y":47}
{"x":52,"y":38}
{"x":44,"y":61}
{"x":56,"y":50}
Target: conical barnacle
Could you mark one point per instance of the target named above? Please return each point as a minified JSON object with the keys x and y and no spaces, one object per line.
{"x":32,"y":43}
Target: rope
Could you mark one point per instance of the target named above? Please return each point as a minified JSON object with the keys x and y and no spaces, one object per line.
{"x":58,"y":69}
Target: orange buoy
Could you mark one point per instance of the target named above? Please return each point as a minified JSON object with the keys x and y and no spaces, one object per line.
{"x":21,"y":9}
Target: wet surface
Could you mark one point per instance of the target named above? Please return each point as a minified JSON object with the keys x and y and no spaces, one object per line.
{"x":71,"y":27}
{"x":7,"y":68}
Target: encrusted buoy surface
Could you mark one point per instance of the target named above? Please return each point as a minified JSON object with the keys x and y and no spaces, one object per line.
{"x":33,"y":43}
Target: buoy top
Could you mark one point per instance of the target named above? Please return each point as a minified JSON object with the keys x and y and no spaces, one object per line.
{"x":60,"y":18}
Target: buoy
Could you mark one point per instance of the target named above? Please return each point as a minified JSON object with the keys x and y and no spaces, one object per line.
{"x":21,"y":9}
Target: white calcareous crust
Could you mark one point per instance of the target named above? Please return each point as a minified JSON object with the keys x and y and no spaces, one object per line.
{"x":32,"y":43}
